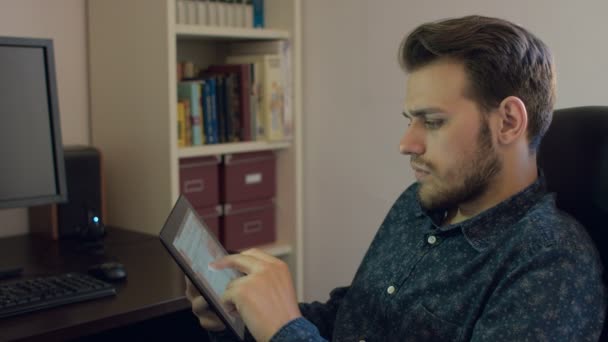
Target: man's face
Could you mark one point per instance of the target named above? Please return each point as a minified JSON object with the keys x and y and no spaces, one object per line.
{"x":448,"y":138}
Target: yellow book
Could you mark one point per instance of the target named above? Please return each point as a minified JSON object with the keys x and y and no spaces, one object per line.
{"x":188,"y":123}
{"x":181,"y":124}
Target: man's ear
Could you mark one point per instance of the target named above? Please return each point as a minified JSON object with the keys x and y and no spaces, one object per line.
{"x":513,"y":121}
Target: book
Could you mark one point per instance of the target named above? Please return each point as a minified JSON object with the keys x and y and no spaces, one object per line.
{"x":181,"y":124}
{"x":220,"y":100}
{"x":240,"y":116}
{"x":188,"y":125}
{"x":248,"y":20}
{"x":191,"y":91}
{"x":271,"y":96}
{"x":231,"y":104}
{"x":210,"y":110}
{"x":282,"y":48}
{"x":258,"y":13}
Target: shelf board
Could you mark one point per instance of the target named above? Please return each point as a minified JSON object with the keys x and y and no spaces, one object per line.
{"x":228,"y":33}
{"x":277,"y":249}
{"x":214,"y":150}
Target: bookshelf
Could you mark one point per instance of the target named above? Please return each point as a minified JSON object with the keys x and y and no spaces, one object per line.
{"x":133,"y":48}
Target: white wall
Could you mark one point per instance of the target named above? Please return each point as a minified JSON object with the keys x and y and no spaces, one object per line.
{"x":353,"y":94}
{"x":64,"y":21}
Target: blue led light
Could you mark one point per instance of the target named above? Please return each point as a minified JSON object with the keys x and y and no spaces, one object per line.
{"x":95,"y":219}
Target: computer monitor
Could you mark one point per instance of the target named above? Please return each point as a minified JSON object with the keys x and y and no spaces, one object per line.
{"x":31,"y":152}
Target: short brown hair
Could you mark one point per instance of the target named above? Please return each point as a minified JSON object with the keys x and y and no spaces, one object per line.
{"x":500,"y":58}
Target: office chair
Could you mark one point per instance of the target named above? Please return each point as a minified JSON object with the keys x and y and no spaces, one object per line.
{"x":574,"y":158}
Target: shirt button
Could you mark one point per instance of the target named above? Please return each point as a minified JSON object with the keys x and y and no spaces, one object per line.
{"x":391,"y":289}
{"x":431,"y":239}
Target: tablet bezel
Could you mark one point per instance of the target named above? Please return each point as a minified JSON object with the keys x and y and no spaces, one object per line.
{"x":167,"y":235}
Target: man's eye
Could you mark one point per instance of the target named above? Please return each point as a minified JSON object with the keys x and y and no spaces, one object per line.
{"x":433,"y":124}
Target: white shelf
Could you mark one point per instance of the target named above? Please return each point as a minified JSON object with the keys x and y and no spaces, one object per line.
{"x":228,"y":33}
{"x":213,"y":150}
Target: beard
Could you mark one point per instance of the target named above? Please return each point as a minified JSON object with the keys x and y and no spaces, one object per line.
{"x":464,"y":183}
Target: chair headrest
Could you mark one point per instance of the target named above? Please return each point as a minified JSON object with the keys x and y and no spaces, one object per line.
{"x":574,"y":158}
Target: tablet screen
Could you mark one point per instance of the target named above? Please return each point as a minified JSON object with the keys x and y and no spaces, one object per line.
{"x":193,"y":247}
{"x":199,"y":248}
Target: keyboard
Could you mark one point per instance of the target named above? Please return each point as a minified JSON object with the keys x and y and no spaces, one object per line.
{"x":27,"y":295}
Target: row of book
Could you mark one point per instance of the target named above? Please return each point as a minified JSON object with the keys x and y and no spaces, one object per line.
{"x":242,"y":100}
{"x":222,"y":13}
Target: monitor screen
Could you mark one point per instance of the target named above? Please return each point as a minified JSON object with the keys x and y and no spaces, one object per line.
{"x":31,"y":154}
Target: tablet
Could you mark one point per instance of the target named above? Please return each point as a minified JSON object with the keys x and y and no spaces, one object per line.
{"x":193,"y":247}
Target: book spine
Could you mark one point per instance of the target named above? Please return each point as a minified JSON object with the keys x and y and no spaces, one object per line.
{"x":201,"y":12}
{"x":221,"y":108}
{"x":181,"y":124}
{"x":286,"y":68}
{"x":210,"y":111}
{"x":258,"y":13}
{"x":207,"y":118}
{"x":229,"y":104}
{"x":196,"y":114}
{"x":274,"y":97}
{"x":212,"y":13}
{"x":248,"y":14}
{"x":191,"y":13}
{"x":190,"y":91}
{"x":214,"y":121}
{"x":244,"y":107}
{"x":180,"y":11}
{"x":188,"y":123}
{"x":253,"y":105}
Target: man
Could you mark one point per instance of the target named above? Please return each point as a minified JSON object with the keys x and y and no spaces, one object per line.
{"x":475,"y":249}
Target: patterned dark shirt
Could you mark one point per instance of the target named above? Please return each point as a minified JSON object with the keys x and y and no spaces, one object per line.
{"x":520,"y":271}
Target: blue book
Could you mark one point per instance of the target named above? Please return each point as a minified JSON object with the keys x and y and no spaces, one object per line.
{"x":191,"y":91}
{"x":211,"y":128}
{"x":258,"y":13}
{"x":207,"y":112}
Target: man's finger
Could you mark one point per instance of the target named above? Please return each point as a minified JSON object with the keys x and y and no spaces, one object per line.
{"x":200,"y":306}
{"x":234,"y":289}
{"x":256,"y":253}
{"x":244,"y":263}
{"x":212,"y":323}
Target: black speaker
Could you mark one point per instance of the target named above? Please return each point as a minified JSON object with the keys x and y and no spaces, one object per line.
{"x":82,"y":216}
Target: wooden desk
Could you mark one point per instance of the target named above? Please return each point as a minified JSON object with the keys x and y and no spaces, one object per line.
{"x":154,"y":285}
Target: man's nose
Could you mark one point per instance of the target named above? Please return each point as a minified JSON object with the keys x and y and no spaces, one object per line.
{"x":412,"y":141}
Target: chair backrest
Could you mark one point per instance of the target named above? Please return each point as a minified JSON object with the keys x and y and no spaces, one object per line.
{"x":574,"y":157}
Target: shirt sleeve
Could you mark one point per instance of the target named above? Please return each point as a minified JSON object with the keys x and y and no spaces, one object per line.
{"x":316,"y":325}
{"x":298,"y":330}
{"x":323,"y":315}
{"x":556,"y":295}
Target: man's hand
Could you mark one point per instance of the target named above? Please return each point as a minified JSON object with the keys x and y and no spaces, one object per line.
{"x":265,"y":297}
{"x":206,"y":317}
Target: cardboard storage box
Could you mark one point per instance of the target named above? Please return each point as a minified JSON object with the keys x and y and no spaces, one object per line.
{"x":248,"y":176}
{"x":199,"y":180}
{"x":248,"y":224}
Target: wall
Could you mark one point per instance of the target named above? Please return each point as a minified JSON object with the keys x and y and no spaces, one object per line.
{"x":353,"y":95}
{"x":64,"y":21}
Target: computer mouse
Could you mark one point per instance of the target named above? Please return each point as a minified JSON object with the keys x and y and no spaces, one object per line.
{"x":109,"y":271}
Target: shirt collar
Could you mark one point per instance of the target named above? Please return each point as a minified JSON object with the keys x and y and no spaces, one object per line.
{"x":484,"y":229}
